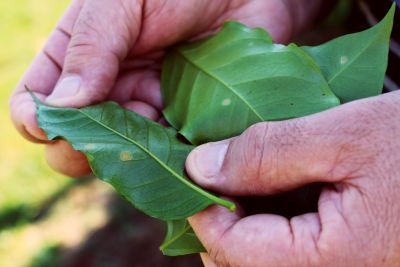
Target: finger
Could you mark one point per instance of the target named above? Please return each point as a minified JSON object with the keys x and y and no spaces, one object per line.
{"x":140,"y":85}
{"x":145,"y":61}
{"x":279,"y":156}
{"x":42,"y":76}
{"x":143,"y":109}
{"x":64,"y":159}
{"x":259,"y":240}
{"x":23,"y":115}
{"x":207,"y":261}
{"x":101,"y":38}
{"x":210,"y":229}
{"x":163,"y":122}
{"x":148,"y":90}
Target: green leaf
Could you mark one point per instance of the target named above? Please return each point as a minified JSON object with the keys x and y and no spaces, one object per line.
{"x":141,"y":159}
{"x":216,"y":88}
{"x":354,"y":65}
{"x":180,"y":239}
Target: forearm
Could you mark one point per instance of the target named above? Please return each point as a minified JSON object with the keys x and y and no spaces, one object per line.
{"x":305,"y":13}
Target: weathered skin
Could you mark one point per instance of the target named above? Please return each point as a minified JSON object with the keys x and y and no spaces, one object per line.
{"x":354,"y":147}
{"x":113,"y":50}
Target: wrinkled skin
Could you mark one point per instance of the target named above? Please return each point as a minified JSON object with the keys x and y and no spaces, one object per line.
{"x":354,"y":147}
{"x":115,"y":48}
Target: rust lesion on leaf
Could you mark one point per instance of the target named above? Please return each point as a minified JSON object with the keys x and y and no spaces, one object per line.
{"x":125,"y":156}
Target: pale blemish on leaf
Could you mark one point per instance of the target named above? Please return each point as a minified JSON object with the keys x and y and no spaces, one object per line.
{"x":125,"y":156}
{"x":90,"y":146}
{"x":226,"y":102}
{"x":344,"y":60}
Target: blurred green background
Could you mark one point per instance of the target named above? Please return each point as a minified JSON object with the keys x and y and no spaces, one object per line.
{"x":25,"y":179}
{"x":47,"y":219}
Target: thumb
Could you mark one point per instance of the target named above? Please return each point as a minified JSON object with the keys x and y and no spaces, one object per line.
{"x":272,"y":157}
{"x":99,"y":41}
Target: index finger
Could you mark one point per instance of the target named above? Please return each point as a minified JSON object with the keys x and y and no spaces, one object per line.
{"x":42,"y":76}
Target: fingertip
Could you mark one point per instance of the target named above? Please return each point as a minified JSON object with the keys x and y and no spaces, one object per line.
{"x":211,"y":224}
{"x":64,"y":159}
{"x":23,"y":116}
{"x":72,"y":92}
{"x":149,"y":91}
{"x":34,"y":134}
{"x":66,"y":90}
{"x":143,"y":109}
{"x":204,"y":164}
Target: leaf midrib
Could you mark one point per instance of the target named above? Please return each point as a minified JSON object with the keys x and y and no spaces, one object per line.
{"x":198,"y":190}
{"x":222,"y":82}
{"x":179,"y":235}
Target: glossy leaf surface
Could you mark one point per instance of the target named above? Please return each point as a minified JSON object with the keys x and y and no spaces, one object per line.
{"x":216,"y":88}
{"x":355,"y":64}
{"x":180,"y":239}
{"x":141,"y":159}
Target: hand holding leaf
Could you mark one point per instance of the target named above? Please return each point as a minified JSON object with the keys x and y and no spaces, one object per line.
{"x":209,"y":98}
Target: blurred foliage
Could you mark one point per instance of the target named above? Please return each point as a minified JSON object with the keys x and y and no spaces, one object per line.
{"x":25,"y":178}
{"x":339,"y":14}
{"x":14,"y":216}
{"x":28,"y":185}
{"x":48,"y":256}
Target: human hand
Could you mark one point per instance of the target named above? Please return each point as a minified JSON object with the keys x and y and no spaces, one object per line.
{"x":111,"y":50}
{"x":354,"y":148}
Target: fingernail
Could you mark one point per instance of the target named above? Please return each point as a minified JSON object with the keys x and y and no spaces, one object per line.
{"x":67,"y":87}
{"x":208,"y":159}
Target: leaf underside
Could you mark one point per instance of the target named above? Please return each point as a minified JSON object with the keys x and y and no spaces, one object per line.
{"x":180,"y":239}
{"x":141,"y":159}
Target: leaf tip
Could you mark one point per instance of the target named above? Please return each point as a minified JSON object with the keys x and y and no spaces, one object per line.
{"x":35,"y":98}
{"x":229,"y":205}
{"x":389,"y":17}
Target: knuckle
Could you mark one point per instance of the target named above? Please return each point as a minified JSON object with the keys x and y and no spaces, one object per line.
{"x":283,"y":141}
{"x":92,"y":31}
{"x":84,"y":40}
{"x":253,"y":140}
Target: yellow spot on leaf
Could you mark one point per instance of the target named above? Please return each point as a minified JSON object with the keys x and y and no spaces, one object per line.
{"x":125,"y":156}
